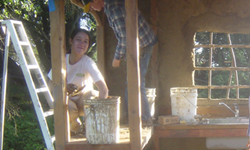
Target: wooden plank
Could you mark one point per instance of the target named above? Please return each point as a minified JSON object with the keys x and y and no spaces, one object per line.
{"x":147,"y":133}
{"x":123,"y":143}
{"x":182,"y":133}
{"x":154,"y":58}
{"x":185,"y":131}
{"x":223,"y":87}
{"x":222,"y":46}
{"x":100,"y":49}
{"x":156,"y":143}
{"x":100,"y":42}
{"x":133,"y":74}
{"x":57,"y":23}
{"x":223,"y":68}
{"x":82,"y":146}
{"x":198,"y":127}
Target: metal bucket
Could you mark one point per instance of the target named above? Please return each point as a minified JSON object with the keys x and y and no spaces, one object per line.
{"x":102,"y":120}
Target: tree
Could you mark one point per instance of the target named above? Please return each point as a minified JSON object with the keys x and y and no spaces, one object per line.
{"x":34,"y":15}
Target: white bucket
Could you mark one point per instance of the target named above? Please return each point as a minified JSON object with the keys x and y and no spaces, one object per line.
{"x":184,"y":103}
{"x":150,"y":92}
{"x":102,"y":120}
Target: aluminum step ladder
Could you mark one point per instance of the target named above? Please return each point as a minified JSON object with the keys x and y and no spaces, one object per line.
{"x":33,"y":75}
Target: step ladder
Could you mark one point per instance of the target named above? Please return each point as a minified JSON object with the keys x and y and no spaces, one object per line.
{"x":33,"y":75}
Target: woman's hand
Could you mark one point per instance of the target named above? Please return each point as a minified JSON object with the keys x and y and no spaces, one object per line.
{"x":103,"y":89}
{"x":71,"y":88}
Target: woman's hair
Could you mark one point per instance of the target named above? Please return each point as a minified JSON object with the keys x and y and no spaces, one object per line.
{"x":77,"y":30}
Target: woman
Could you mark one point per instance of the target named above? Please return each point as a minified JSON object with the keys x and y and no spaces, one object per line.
{"x":82,"y":72}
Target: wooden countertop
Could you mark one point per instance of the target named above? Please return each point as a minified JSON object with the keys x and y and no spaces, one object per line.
{"x":206,"y":130}
{"x":197,"y":131}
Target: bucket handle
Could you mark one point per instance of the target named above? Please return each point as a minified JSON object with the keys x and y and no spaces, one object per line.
{"x":189,"y":101}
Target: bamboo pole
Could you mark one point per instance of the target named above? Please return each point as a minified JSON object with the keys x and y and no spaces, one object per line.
{"x":223,"y":69}
{"x":234,"y":65}
{"x":210,"y":65}
{"x":222,"y":87}
{"x":222,"y":46}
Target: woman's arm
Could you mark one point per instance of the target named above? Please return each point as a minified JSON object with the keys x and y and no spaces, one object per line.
{"x":103,"y":89}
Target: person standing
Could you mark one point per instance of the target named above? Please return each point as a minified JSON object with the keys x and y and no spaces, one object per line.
{"x":115,"y":12}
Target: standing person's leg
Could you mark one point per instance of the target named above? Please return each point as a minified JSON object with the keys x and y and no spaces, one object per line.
{"x":145,"y":54}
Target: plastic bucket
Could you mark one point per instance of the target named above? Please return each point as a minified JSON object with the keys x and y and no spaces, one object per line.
{"x":102,"y":120}
{"x":150,"y":92}
{"x":184,"y":103}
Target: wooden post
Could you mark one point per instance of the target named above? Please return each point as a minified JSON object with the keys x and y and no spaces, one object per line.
{"x":154,"y":58}
{"x":133,"y":74}
{"x":100,"y":42}
{"x":57,"y":24}
{"x":100,"y":49}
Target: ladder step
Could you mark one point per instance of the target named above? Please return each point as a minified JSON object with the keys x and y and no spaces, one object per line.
{"x":42,"y":90}
{"x":32,"y":66}
{"x":24,"y":43}
{"x":49,"y":113}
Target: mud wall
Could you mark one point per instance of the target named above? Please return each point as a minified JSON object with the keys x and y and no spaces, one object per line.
{"x":177,"y":22}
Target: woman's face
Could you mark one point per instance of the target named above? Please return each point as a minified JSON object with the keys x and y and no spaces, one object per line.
{"x":96,"y":5}
{"x":80,"y":43}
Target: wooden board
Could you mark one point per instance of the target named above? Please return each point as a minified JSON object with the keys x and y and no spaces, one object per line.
{"x":58,"y":50}
{"x":123,"y":144}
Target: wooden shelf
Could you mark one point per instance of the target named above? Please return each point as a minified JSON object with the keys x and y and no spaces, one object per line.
{"x":202,"y":131}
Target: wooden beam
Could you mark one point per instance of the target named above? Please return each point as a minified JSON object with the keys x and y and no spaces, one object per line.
{"x":57,"y":24}
{"x":100,"y":49}
{"x":100,"y":41}
{"x":187,"y":131}
{"x":133,"y":74}
{"x":154,"y":58}
{"x":82,"y":146}
{"x":206,"y":132}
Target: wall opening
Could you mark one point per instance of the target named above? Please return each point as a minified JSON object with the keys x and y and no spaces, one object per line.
{"x":222,"y":66}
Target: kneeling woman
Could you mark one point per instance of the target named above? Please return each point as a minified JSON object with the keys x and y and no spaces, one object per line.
{"x":82,"y":72}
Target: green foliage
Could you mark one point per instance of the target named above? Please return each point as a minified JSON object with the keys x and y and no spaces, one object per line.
{"x":35,"y":17}
{"x":23,"y":132}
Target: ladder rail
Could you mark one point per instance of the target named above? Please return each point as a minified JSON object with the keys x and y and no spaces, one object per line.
{"x":4,"y":85}
{"x":28,"y":78}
